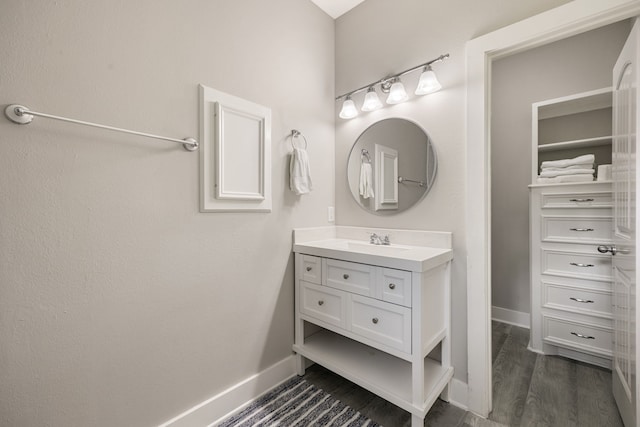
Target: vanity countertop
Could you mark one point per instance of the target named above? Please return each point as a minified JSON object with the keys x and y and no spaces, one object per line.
{"x":420,"y":256}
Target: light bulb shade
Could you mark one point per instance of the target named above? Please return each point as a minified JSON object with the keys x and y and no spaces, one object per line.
{"x":371,"y":101}
{"x":428,"y":83}
{"x":397,"y":94}
{"x":349,"y":110}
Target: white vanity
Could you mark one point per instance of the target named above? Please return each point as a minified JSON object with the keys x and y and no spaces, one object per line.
{"x":376,"y":314}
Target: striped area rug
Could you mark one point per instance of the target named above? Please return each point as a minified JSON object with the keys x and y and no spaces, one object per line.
{"x":298,"y":403}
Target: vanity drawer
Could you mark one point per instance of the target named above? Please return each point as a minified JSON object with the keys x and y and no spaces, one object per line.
{"x":388,"y":324}
{"x":576,"y":264}
{"x":322,"y":303}
{"x":591,"y":302}
{"x":594,"y":199}
{"x":576,"y":229}
{"x":312,"y":269}
{"x":589,"y":338}
{"x":350,"y":276}
{"x":395,"y":286}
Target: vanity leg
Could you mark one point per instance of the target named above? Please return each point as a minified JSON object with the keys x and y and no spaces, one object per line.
{"x":300,"y":362}
{"x":416,"y":421}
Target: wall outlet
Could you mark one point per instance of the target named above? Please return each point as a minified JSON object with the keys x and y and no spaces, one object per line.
{"x":331,"y":214}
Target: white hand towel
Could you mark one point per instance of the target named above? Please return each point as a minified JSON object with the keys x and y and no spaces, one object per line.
{"x":299,"y":172}
{"x":580,"y":166}
{"x":587,"y":158}
{"x":551,"y":174}
{"x":366,"y":180}
{"x":566,"y":178}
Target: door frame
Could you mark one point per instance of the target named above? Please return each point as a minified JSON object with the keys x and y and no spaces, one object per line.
{"x":564,"y":21}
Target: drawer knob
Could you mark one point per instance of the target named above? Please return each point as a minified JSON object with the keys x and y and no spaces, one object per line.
{"x":375,"y":320}
{"x":585,"y":301}
{"x":392,"y":286}
{"x":309,"y":269}
{"x":581,"y":200}
{"x":578,"y":264}
{"x":586,"y":337}
{"x":345,"y":276}
{"x":581,"y":229}
{"x":320,"y":302}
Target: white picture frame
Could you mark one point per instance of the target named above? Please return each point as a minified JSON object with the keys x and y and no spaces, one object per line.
{"x":235,"y":153}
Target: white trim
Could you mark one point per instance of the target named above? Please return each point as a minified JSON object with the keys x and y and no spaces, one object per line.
{"x":511,"y":317}
{"x":219,"y":407}
{"x":459,"y":394}
{"x":562,"y":22}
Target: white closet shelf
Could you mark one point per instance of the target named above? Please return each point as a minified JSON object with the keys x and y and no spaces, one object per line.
{"x":578,"y":143}
{"x":373,"y":369}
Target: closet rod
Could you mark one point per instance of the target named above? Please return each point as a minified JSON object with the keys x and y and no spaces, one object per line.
{"x":22,"y":115}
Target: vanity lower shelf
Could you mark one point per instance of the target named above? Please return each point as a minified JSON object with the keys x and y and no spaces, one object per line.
{"x":385,"y":375}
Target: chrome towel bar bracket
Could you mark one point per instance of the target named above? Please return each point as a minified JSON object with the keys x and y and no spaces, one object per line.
{"x":22,"y":115}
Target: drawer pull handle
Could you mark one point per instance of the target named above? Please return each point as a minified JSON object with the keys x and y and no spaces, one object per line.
{"x":320,"y":302}
{"x":578,"y":264}
{"x":586,"y":301}
{"x":586,"y":337}
{"x":581,"y":200}
{"x":392,"y":286}
{"x":375,"y":320}
{"x":309,"y":269}
{"x":581,"y":229}
{"x":345,"y":276}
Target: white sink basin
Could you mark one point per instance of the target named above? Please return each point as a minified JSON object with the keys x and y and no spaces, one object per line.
{"x":375,"y":249}
{"x":413,"y":258}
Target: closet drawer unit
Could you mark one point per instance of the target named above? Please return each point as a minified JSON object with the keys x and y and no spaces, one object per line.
{"x":349,"y":276}
{"x":576,"y":264}
{"x":312,"y":269}
{"x":395,"y":286}
{"x":591,"y":302}
{"x":577,"y":200}
{"x":576,"y":229}
{"x":382,"y":322}
{"x":326,"y":304}
{"x":578,"y":336}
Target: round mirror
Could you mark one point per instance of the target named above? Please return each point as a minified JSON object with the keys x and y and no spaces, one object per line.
{"x":391,"y":167}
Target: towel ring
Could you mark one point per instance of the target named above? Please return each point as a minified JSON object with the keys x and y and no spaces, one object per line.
{"x":294,"y":135}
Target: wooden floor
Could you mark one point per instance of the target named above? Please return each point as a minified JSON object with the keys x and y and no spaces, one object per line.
{"x":528,"y":390}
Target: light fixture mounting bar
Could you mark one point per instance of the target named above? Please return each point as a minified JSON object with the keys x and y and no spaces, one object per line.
{"x":407,"y":71}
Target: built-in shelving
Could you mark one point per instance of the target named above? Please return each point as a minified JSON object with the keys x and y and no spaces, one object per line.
{"x":570,"y":126}
{"x":577,"y":143}
{"x":384,"y":374}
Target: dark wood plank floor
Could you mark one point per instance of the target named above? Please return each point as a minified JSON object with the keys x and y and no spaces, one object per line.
{"x":528,"y":390}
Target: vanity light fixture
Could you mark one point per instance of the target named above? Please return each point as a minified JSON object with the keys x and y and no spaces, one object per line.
{"x":397,"y":94}
{"x":428,"y":82}
{"x":371,"y":100}
{"x":349,"y":110}
{"x":393,"y":86}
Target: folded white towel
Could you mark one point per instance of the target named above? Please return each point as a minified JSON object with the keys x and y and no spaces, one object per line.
{"x":299,"y":172}
{"x":587,"y":158}
{"x":566,"y":178}
{"x":366,"y":180}
{"x":551,"y":174}
{"x":580,"y":166}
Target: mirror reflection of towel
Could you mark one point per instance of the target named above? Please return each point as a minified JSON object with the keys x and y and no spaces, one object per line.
{"x":366,"y":180}
{"x":299,"y":172}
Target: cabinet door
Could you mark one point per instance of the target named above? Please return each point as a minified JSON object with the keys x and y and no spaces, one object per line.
{"x":382,"y":322}
{"x":394,"y":286}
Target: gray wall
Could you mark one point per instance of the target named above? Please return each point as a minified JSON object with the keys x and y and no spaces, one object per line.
{"x":573,"y":65}
{"x":120,"y":304}
{"x":377,"y":39}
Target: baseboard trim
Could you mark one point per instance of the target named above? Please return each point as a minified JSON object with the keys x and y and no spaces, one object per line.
{"x":512,"y":317}
{"x":459,"y":394}
{"x":215,"y":409}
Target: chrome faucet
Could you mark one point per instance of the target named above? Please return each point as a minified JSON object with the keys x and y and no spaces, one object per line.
{"x":379,"y":240}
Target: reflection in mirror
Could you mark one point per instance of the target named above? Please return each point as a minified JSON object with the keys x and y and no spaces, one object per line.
{"x":391,"y":167}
